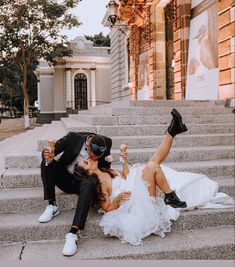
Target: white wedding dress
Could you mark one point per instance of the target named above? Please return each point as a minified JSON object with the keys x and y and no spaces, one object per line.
{"x":142,"y":215}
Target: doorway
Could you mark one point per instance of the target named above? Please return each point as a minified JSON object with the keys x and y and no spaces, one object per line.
{"x":80,"y":87}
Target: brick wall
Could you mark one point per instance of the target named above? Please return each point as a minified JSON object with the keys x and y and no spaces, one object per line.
{"x":226,"y":48}
{"x":158,"y":83}
{"x":181,"y":43}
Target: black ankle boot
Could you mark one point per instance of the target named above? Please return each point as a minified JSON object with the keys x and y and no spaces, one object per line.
{"x":176,"y":126}
{"x":172,"y":200}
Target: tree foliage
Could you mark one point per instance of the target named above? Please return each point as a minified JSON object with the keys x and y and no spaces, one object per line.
{"x":99,"y":39}
{"x":29,"y":31}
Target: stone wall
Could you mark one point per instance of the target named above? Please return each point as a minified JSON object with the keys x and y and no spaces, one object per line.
{"x":103,"y":86}
{"x":119,"y":87}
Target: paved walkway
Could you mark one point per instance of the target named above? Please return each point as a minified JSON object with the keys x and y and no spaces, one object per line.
{"x":10,"y":127}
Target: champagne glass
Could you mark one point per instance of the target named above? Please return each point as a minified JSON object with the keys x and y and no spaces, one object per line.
{"x":123,"y":149}
{"x":50,"y":146}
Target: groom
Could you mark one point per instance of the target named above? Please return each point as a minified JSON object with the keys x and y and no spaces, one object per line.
{"x":74,"y":148}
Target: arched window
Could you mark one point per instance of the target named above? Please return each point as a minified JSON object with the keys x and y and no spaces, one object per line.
{"x":80,"y":87}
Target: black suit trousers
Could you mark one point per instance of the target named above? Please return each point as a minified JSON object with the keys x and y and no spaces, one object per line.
{"x":56,"y":174}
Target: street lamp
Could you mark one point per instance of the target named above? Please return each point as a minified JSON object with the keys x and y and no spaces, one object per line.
{"x":112,"y":7}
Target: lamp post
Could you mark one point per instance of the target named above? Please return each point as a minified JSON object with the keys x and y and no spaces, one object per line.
{"x":112,"y":8}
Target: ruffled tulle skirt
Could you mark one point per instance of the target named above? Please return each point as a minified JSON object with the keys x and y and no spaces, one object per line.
{"x":138,"y":217}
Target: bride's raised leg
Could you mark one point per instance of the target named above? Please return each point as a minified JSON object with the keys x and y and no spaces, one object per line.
{"x":176,"y":127}
{"x":162,"y":152}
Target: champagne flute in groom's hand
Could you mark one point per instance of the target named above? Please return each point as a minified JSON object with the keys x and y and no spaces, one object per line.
{"x":49,"y":152}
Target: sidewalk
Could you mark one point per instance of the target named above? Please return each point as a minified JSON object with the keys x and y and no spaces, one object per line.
{"x":10,"y":127}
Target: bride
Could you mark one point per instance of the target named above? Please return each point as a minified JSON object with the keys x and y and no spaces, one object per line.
{"x":133,"y":202}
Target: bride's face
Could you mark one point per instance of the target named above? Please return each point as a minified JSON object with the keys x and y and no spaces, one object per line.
{"x":90,"y":165}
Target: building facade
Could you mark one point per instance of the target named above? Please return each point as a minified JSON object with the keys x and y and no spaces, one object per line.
{"x":172,"y":49}
{"x":74,"y":83}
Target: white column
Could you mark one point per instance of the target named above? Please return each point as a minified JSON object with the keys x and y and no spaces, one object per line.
{"x":93,"y":93}
{"x":68,"y":89}
{"x":39,"y":94}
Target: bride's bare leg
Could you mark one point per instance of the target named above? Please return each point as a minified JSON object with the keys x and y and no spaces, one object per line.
{"x":155,"y":177}
{"x":153,"y":173}
{"x":162,"y":152}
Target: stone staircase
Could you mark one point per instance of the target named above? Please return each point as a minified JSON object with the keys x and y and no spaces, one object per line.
{"x":207,"y":147}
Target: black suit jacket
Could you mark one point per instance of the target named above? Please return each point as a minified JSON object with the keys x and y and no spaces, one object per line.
{"x":71,"y":145}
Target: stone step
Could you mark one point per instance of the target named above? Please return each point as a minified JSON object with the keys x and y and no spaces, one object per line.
{"x":72,"y":125}
{"x":12,"y":141}
{"x":162,"y":103}
{"x":211,"y":168}
{"x":18,"y":200}
{"x":25,"y":226}
{"x":155,"y":140}
{"x":214,"y":243}
{"x":184,"y":154}
{"x":160,"y":129}
{"x":55,"y":131}
{"x":141,"y":155}
{"x":8,"y":141}
{"x":26,"y":178}
{"x":31,"y":199}
{"x":215,"y":168}
{"x":175,"y":103}
{"x":30,"y":144}
{"x":21,"y":178}
{"x":15,"y":142}
{"x":154,"y":248}
{"x":122,"y":110}
{"x":66,"y":121}
{"x":180,"y":141}
{"x":155,"y":103}
{"x":150,"y":119}
{"x":218,"y":110}
{"x":226,"y":185}
{"x":26,"y":141}
{"x":23,"y":161}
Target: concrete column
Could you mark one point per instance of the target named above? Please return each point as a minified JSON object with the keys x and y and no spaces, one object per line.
{"x":68,"y":89}
{"x":39,"y":94}
{"x":93,"y":87}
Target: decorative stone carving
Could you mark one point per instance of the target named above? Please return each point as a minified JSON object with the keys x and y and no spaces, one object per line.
{"x":80,"y":44}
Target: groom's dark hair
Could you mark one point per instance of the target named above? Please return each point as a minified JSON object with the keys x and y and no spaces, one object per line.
{"x":98,"y":145}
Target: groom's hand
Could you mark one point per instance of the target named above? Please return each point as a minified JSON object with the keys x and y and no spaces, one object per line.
{"x":48,"y":154}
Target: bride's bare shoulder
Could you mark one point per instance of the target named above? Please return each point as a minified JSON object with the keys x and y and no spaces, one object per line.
{"x":116,"y":173}
{"x":106,"y":183}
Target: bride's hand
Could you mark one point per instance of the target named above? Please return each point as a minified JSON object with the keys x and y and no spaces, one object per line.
{"x":124,"y":196}
{"x":123,"y":153}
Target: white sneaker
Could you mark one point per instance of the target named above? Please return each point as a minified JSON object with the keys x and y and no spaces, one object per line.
{"x":48,"y":214}
{"x":70,"y":246}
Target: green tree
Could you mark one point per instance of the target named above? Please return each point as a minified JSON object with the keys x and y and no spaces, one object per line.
{"x":99,"y":39}
{"x":30,"y":30}
{"x":10,"y":85}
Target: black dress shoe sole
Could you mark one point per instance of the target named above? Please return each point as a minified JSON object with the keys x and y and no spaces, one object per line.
{"x":176,"y":207}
